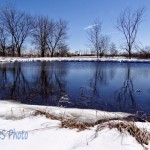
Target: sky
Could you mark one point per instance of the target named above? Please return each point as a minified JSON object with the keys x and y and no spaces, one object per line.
{"x":81,"y":13}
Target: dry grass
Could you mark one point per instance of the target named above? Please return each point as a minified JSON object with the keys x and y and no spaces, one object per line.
{"x":141,"y":135}
{"x":46,"y":114}
{"x":65,"y":123}
{"x":72,"y":124}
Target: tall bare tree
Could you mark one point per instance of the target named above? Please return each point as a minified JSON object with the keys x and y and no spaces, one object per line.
{"x":128,"y":24}
{"x":18,"y":24}
{"x":94,"y":36}
{"x":41,"y":33}
{"x":103,"y":45}
{"x":3,"y":38}
{"x":98,"y":42}
{"x":57,"y":34}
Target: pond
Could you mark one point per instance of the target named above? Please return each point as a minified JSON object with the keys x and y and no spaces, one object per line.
{"x":110,"y":86}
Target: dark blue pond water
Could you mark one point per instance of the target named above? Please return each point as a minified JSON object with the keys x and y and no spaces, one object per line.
{"x":107,"y":86}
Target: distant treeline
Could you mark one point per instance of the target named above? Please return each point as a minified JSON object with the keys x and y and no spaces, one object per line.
{"x":49,"y":36}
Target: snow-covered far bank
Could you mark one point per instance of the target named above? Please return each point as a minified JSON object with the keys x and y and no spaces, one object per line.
{"x":46,"y":134}
{"x":111,"y":59}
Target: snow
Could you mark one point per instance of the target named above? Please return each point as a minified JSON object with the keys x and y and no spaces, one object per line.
{"x":14,"y":110}
{"x":111,"y":59}
{"x":46,"y":134}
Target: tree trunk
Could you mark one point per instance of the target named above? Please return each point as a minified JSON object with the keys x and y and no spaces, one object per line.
{"x":19,"y":51}
{"x":97,"y":54}
{"x":52,"y":54}
{"x":13,"y":51}
{"x":129,"y":52}
{"x":3,"y":52}
{"x":42,"y":53}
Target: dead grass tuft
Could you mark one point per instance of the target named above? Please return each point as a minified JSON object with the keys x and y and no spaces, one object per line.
{"x":141,"y":135}
{"x":72,"y":124}
{"x":46,"y":114}
{"x":65,"y":123}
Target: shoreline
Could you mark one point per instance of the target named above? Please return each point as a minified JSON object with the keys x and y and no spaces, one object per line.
{"x":108,"y":59}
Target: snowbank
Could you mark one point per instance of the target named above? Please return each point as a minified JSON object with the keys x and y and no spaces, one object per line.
{"x":110,"y":59}
{"x":14,"y":110}
{"x":46,"y":134}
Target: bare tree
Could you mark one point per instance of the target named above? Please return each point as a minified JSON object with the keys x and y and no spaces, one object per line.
{"x":57,"y":34}
{"x":113,"y":49}
{"x":98,"y":42}
{"x":3,"y":37}
{"x":94,"y":36}
{"x":103,"y":45}
{"x":63,"y":49}
{"x":18,"y":24}
{"x":41,"y":33}
{"x":143,"y":51}
{"x":128,"y":23}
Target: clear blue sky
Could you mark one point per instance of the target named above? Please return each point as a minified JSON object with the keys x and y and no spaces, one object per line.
{"x":81,"y":13}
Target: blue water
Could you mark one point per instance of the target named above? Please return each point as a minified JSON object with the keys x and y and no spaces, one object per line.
{"x":110,"y":86}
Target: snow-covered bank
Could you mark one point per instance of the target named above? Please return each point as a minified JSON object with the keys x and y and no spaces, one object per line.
{"x":15,"y":111}
{"x":45,"y":134}
{"x":111,"y":59}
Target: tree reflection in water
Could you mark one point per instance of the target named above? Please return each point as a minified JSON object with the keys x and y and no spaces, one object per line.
{"x":48,"y":85}
{"x":126,"y":94}
{"x":3,"y":76}
{"x":91,"y":96}
{"x":95,"y":85}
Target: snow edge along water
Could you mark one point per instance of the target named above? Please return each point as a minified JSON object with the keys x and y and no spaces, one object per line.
{"x":109,"y":59}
